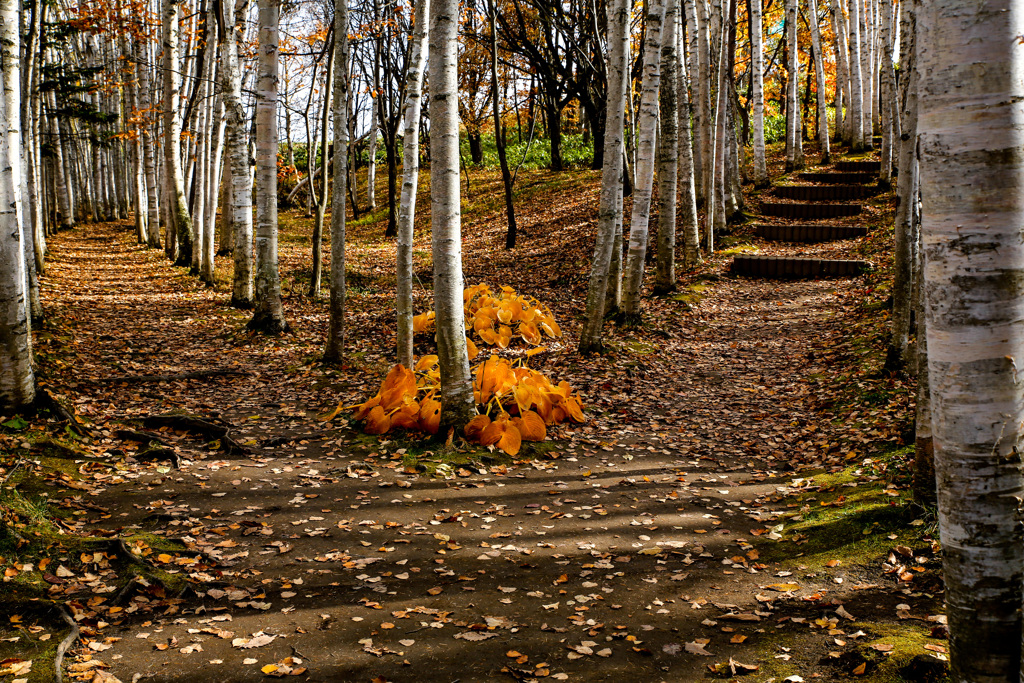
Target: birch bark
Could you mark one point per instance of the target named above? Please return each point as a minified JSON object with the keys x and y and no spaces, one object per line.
{"x":335,"y":348}
{"x":668,"y":152}
{"x":971,"y":99}
{"x":268,"y":314}
{"x":457,"y":403}
{"x":609,"y":210}
{"x":757,"y":95}
{"x":410,"y":179}
{"x":819,"y":76}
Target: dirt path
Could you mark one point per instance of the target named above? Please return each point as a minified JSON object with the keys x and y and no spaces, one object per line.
{"x":629,"y":553}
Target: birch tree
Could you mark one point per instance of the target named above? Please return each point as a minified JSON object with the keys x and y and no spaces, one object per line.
{"x":457,"y":404}
{"x":239,"y":179}
{"x":687,"y":171}
{"x":648,"y":125}
{"x":886,"y":86}
{"x":410,"y":180}
{"x":178,"y":207}
{"x":757,"y":95}
{"x":857,"y":123}
{"x":972,"y":184}
{"x":668,"y":152}
{"x":610,"y":209}
{"x":268,"y":315}
{"x":819,"y":76}
{"x":335,"y":348}
{"x":794,"y":155}
{"x":17,"y":382}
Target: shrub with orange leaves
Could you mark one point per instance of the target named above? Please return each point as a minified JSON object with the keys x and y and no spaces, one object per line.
{"x":514,"y":402}
{"x":523,"y":402}
{"x":497,"y":320}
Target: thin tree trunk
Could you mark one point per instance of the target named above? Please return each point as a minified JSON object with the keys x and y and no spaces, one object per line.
{"x":238,"y":207}
{"x":793,"y":122}
{"x":457,"y":403}
{"x":761,"y":179}
{"x":687,"y":170}
{"x":668,"y":153}
{"x":886,"y":87}
{"x":410,"y":180}
{"x":499,"y":137}
{"x":172,"y":136}
{"x":819,"y":75}
{"x":335,"y":347}
{"x":971,"y":184}
{"x":268,"y":315}
{"x":856,"y":78}
{"x":648,"y":126}
{"x":321,"y":198}
{"x":610,"y":209}
{"x":906,"y":190}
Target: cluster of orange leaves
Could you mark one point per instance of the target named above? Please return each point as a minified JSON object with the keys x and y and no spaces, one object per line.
{"x":498,"y":320}
{"x":514,"y":403}
{"x":522,"y":400}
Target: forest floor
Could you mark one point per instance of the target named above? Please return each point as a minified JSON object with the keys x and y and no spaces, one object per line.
{"x":735,"y":507}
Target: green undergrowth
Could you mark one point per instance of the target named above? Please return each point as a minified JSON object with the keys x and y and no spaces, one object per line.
{"x":855,"y":515}
{"x":454,"y":459}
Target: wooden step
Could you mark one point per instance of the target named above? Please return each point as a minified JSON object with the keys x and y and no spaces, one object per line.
{"x":858,"y":166}
{"x":840,"y":178}
{"x":819,"y":193}
{"x":808,"y":233}
{"x":793,"y":268}
{"x":809,"y":211}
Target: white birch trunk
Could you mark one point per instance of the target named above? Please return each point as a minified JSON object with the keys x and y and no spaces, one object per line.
{"x":687,"y":172}
{"x":334,"y":350}
{"x":17,"y":382}
{"x":843,"y":89}
{"x":757,"y":95}
{"x":268,"y":315}
{"x":972,"y":182}
{"x":239,"y":196}
{"x":648,"y":128}
{"x":178,"y":208}
{"x":793,"y":122}
{"x":867,"y":73}
{"x":410,"y":180}
{"x":610,"y":210}
{"x":668,"y":152}
{"x":458,"y":405}
{"x":856,"y":79}
{"x":819,"y":75}
{"x":887,"y":88}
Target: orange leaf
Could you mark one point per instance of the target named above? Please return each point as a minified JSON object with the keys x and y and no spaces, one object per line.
{"x":476,"y":427}
{"x":531,"y":426}
{"x":511,"y":440}
{"x":430,"y":416}
{"x":377,"y":422}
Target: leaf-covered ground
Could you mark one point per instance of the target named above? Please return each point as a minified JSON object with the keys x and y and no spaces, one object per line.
{"x":735,"y":505}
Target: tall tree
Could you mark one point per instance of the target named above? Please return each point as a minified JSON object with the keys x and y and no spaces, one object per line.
{"x":17,"y":381}
{"x":457,"y":404}
{"x":687,"y":170}
{"x":178,"y":207}
{"x":794,"y":150}
{"x":648,"y":125}
{"x":610,"y":209}
{"x":410,"y":181}
{"x":668,"y":152}
{"x":757,"y":94}
{"x":858,"y":126}
{"x":320,"y":190}
{"x":268,"y":314}
{"x":335,"y":348}
{"x":886,"y":87}
{"x":819,"y":76}
{"x":972,"y":185}
{"x":238,"y":207}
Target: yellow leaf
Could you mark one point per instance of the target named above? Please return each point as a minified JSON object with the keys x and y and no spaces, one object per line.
{"x":430,"y":416}
{"x":511,"y":440}
{"x":476,"y":426}
{"x":164,"y":557}
{"x":426,"y":363}
{"x":531,"y":426}
{"x":471,"y":349}
{"x":377,"y":422}
{"x":269,"y":668}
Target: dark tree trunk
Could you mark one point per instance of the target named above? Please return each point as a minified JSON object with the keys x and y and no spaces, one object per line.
{"x":553,"y":118}
{"x":391,"y":154}
{"x":476,"y":148}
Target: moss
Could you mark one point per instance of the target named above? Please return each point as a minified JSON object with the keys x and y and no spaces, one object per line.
{"x":742,"y":249}
{"x":907,"y":640}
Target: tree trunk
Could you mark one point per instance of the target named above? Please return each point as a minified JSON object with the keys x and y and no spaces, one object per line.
{"x":457,"y":404}
{"x":553,"y":117}
{"x":410,"y":180}
{"x":793,"y":120}
{"x":322,"y":196}
{"x":648,"y":126}
{"x":268,"y":315}
{"x":757,"y":95}
{"x":971,"y":184}
{"x":172,"y":136}
{"x":610,"y":210}
{"x":499,"y":137}
{"x":906,"y":190}
{"x":239,"y":196}
{"x":476,"y":149}
{"x":335,"y":347}
{"x":857,"y":123}
{"x":668,"y":152}
{"x":886,"y":87}
{"x":819,"y":74}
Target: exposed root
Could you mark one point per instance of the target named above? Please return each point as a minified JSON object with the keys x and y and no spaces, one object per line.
{"x":58,"y":663}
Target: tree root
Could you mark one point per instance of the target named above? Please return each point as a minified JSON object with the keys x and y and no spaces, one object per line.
{"x":44,"y":399}
{"x":210,"y":427}
{"x":58,"y":663}
{"x":197,"y":374}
